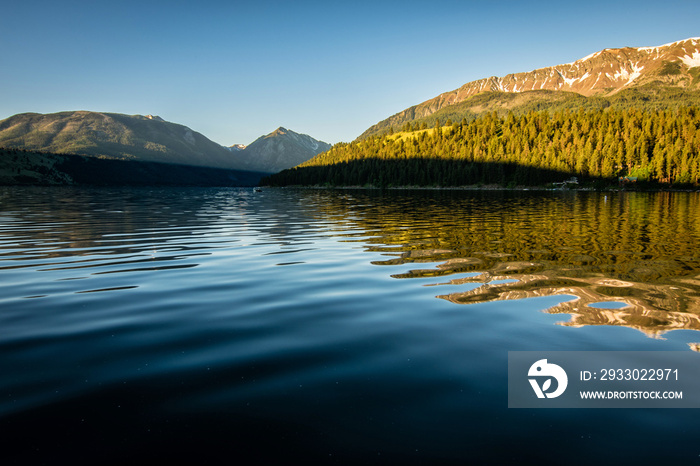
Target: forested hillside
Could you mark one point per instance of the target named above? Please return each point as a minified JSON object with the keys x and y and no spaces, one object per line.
{"x":531,"y":149}
{"x":23,"y":167}
{"x":647,"y":98}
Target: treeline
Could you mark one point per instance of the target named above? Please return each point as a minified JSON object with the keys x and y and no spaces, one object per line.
{"x":538,"y":147}
{"x":649,"y":97}
{"x":26,"y":167}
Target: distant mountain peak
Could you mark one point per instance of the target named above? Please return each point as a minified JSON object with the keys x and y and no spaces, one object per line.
{"x":282,"y":148}
{"x":154,"y":117}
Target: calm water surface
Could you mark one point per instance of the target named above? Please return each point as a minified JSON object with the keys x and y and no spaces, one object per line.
{"x":224,"y":325}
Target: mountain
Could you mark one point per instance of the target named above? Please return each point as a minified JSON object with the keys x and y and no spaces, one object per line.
{"x":151,"y":139}
{"x":616,"y":116}
{"x":280,"y":149}
{"x":114,"y":136}
{"x":611,"y":75}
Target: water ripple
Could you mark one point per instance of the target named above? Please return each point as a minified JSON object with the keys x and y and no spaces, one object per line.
{"x":318,"y":309}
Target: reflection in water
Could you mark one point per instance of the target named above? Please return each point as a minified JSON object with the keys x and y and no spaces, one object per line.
{"x":192,"y":322}
{"x":640,"y":250}
{"x":652,"y":309}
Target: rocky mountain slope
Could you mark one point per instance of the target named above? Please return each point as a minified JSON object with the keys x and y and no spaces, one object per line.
{"x":601,"y":74}
{"x":114,"y":136}
{"x":280,"y":149}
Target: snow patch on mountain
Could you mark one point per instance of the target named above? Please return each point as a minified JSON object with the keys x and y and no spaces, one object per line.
{"x":651,"y":49}
{"x":571,"y":81}
{"x":691,"y":61}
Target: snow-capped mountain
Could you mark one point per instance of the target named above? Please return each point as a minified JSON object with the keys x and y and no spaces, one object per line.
{"x":602,"y":73}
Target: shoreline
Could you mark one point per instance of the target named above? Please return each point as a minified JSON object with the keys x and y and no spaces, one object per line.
{"x":494,"y":188}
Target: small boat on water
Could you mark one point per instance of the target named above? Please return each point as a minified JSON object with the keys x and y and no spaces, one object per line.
{"x":257,"y":190}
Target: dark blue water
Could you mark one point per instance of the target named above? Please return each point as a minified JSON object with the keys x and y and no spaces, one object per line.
{"x":229,"y":326}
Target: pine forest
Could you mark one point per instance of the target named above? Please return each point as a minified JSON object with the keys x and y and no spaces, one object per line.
{"x":659,"y":146}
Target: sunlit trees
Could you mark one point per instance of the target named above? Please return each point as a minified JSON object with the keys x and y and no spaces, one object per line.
{"x":661,"y":146}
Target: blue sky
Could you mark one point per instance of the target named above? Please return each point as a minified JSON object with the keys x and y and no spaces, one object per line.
{"x":234,"y":71}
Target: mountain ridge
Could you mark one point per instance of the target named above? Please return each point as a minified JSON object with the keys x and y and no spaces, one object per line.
{"x":150,"y":138}
{"x":114,"y":135}
{"x":601,"y":74}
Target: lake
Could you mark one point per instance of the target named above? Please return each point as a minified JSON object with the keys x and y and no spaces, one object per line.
{"x":334,"y":326}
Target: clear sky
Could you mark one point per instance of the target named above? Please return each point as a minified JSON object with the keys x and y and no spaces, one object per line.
{"x":234,"y":71}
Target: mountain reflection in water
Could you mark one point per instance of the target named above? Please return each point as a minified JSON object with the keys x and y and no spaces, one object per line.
{"x":639,"y":250}
{"x":191,"y":325}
